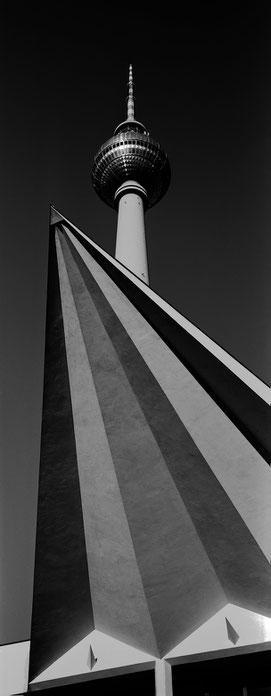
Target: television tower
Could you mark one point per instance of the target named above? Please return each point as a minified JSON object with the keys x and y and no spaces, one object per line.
{"x":131,"y":173}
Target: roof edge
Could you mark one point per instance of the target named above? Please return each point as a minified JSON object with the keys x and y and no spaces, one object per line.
{"x":258,"y":386}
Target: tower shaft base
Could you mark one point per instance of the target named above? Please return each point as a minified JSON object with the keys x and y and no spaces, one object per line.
{"x":131,"y":240}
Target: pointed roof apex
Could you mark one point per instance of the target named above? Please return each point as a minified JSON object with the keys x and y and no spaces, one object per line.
{"x":55,"y":216}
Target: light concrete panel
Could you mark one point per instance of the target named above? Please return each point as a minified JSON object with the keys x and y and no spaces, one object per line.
{"x":109,"y":654}
{"x":252,"y":628}
{"x":241,"y":471}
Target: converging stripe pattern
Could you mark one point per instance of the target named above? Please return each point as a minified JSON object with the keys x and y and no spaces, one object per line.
{"x":166,"y":541}
{"x":153,"y":507}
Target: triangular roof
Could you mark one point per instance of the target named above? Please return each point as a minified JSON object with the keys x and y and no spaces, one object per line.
{"x":147,"y":486}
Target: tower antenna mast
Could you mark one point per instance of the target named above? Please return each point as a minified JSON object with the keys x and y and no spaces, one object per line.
{"x":130,"y":99}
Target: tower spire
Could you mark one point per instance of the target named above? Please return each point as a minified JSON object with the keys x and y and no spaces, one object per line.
{"x":130,"y":100}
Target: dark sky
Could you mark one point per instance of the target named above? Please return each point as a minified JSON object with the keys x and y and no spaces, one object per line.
{"x":202,"y":87}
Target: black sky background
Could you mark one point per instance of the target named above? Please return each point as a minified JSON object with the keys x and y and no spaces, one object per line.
{"x":202,"y":87}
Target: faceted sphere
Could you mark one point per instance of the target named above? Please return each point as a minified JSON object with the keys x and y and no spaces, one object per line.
{"x":131,"y":155}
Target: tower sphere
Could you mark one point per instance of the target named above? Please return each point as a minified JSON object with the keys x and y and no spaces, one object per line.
{"x":131,"y":155}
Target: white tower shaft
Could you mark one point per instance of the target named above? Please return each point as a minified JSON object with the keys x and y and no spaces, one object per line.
{"x":131,"y":240}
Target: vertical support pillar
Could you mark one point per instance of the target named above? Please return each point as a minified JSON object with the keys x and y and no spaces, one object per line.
{"x":163,"y":679}
{"x":14,"y":667}
{"x":131,"y":247}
